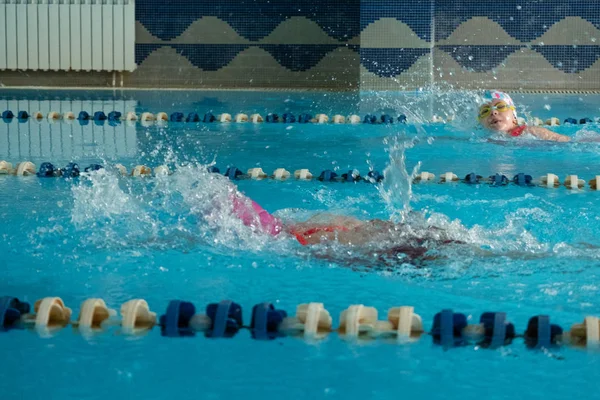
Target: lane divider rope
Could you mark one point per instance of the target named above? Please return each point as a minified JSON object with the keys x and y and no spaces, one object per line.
{"x":312,"y":321}
{"x":72,"y":170}
{"x":148,"y":119}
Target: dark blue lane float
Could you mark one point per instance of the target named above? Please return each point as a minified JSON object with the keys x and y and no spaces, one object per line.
{"x":70,"y":171}
{"x":522,"y":179}
{"x":233,"y":173}
{"x":472,"y":179}
{"x":327,"y":176}
{"x":374,"y":177}
{"x":209,"y":118}
{"x":447,"y":329}
{"x":288,"y":118}
{"x":351,"y":176}
{"x":226,"y":319}
{"x":7,"y":116}
{"x":271,"y":117}
{"x":304,"y":118}
{"x":22,"y":116}
{"x":176,"y":321}
{"x":11,"y":312}
{"x":498,"y":331}
{"x":265,"y":322}
{"x":192,"y":117}
{"x":176,"y":117}
{"x":47,"y":170}
{"x":541,"y":333}
{"x":498,"y":180}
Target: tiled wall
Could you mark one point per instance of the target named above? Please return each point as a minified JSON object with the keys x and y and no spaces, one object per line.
{"x":251,"y":43}
{"x":359,"y":44}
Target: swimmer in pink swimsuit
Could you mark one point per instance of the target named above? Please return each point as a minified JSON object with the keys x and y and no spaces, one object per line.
{"x":253,"y":215}
{"x":500,"y":115}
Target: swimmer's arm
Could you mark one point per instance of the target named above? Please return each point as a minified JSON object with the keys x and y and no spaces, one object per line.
{"x":545,"y":134}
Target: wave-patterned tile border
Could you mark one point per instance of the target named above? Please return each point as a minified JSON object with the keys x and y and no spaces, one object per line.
{"x":568,"y":59}
{"x":212,"y":30}
{"x":525,"y":69}
{"x":252,"y":67}
{"x":390,"y":62}
{"x":524,"y":21}
{"x":212,"y":57}
{"x":253,"y":20}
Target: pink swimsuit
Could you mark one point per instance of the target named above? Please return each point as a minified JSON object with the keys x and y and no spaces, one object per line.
{"x":268,"y":223}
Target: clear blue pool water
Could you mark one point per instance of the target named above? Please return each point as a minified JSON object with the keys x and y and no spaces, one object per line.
{"x":120,"y":238}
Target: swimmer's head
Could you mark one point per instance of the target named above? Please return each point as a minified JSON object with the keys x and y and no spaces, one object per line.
{"x":498,"y":113}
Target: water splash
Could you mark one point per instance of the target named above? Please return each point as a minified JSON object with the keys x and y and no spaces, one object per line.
{"x":190,"y":209}
{"x":396,"y":188}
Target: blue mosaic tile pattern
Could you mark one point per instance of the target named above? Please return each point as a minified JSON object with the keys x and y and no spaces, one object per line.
{"x":253,"y":19}
{"x":212,"y":57}
{"x":479,"y":58}
{"x":415,"y":13}
{"x":404,"y":28}
{"x":569,"y":59}
{"x":389,"y":62}
{"x":524,"y":20}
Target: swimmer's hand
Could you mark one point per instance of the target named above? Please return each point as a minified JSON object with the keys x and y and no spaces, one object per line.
{"x":546,"y":134}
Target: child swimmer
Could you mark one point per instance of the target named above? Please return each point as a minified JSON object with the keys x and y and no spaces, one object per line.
{"x":499,"y":115}
{"x":391,"y":238}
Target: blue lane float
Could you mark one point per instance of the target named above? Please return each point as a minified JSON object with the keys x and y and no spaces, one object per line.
{"x":369,"y":119}
{"x":99,"y":116}
{"x":271,"y":118}
{"x":522,"y":179}
{"x":11,"y":312}
{"x":472,"y":179}
{"x":327,"y":176}
{"x":304,"y":118}
{"x":541,"y":333}
{"x":23,"y":116}
{"x":233,"y":173}
{"x":265,"y":322}
{"x":47,"y":170}
{"x":386,"y":119}
{"x":192,"y":117}
{"x":289,"y":118}
{"x":7,"y":115}
{"x":498,"y":180}
{"x":176,"y":117}
{"x":226,"y":318}
{"x":176,"y":321}
{"x":498,"y":331}
{"x":209,"y":118}
{"x":70,"y":171}
{"x":448,"y":327}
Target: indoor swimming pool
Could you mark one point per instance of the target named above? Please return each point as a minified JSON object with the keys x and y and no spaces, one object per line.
{"x":525,"y":250}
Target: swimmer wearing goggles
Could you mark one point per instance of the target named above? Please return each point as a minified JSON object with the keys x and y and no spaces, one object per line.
{"x":500,"y":115}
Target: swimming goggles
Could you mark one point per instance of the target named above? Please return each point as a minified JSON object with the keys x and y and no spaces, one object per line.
{"x":486,"y":109}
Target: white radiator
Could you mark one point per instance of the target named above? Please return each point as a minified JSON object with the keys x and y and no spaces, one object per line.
{"x":63,"y":35}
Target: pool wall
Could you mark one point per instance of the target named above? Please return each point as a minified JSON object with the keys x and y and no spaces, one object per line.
{"x":355,"y":45}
